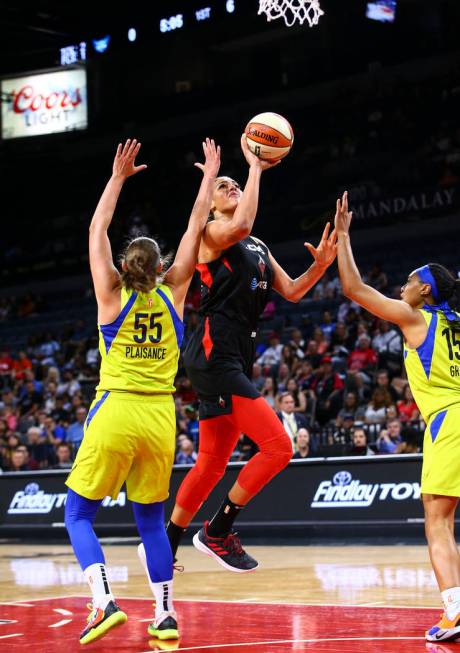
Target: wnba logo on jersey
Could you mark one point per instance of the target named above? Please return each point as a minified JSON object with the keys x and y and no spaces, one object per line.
{"x":263,"y":285}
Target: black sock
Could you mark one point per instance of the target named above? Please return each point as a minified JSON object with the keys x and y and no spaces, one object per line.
{"x":174,"y":534}
{"x":222,"y":522}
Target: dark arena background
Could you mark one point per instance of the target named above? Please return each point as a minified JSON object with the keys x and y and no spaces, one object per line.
{"x":373,"y":95}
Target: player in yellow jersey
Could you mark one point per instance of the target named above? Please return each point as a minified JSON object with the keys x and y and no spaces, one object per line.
{"x":130,"y":428}
{"x":428,"y":317}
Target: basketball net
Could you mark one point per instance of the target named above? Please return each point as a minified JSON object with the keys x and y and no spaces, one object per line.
{"x":292,"y":11}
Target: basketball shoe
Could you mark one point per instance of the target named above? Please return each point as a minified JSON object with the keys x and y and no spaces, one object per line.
{"x":165,"y":627}
{"x":101,"y":621}
{"x":446,"y":630}
{"x":226,"y":550}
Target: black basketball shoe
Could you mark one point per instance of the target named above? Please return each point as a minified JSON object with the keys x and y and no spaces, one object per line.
{"x":226,"y":550}
{"x":165,"y":627}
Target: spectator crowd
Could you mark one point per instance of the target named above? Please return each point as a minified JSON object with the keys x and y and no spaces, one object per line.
{"x":336,"y":383}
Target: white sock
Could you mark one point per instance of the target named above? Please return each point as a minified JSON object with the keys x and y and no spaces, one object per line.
{"x":96,"y":577}
{"x":163,"y":592}
{"x":451,"y":600}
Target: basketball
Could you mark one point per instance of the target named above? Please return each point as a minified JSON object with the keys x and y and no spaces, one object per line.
{"x":269,"y":136}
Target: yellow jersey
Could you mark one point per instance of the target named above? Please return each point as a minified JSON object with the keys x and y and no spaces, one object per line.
{"x":140,"y":348}
{"x":433,"y":368}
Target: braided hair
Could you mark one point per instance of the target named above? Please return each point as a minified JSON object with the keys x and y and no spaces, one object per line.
{"x":448,"y":286}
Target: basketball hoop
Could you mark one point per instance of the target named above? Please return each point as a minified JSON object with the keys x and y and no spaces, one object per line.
{"x":292,"y":11}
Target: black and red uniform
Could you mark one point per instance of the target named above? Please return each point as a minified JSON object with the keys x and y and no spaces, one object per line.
{"x":219,"y":359}
{"x":220,"y":354}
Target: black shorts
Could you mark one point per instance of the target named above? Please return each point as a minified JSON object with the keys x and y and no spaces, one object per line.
{"x":218,"y":360}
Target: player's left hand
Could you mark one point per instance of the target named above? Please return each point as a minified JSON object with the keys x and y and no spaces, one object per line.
{"x":125,"y":158}
{"x":326,"y":251}
{"x":342,"y":215}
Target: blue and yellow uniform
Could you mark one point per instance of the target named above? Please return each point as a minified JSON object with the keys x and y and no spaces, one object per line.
{"x":433,"y":370}
{"x":130,"y":428}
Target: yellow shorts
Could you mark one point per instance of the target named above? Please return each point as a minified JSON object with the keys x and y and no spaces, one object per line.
{"x":128,"y":438}
{"x":441,"y":454}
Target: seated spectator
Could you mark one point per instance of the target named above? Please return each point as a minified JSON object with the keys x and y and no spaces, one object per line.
{"x":39,"y":449}
{"x":282,"y":379}
{"x":376,"y":411}
{"x":351,"y":410}
{"x":312,"y":355}
{"x":297,"y":343}
{"x":21,"y":365}
{"x":359,"y":445}
{"x":383,"y":381}
{"x":64,"y":456}
{"x":193,"y":427}
{"x":30,"y":464}
{"x":302,"y":444}
{"x":321,"y":340}
{"x":272,"y":355}
{"x":407,"y":408}
{"x":377,"y":278}
{"x":300,"y":400}
{"x":257,"y":378}
{"x":389,"y":438}
{"x":363,"y":358}
{"x":17,"y":461}
{"x":291,"y":420}
{"x":290,"y":356}
{"x":328,"y":388}
{"x":388,"y":345}
{"x":411,"y":441}
{"x":186,"y":454}
{"x":6,"y":369}
{"x":69,"y":384}
{"x":76,"y":430}
{"x":328,"y":325}
{"x":304,"y":375}
{"x":269,"y":391}
{"x":185,"y":391}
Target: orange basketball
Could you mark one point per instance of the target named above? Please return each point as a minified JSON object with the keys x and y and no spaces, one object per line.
{"x":269,"y":136}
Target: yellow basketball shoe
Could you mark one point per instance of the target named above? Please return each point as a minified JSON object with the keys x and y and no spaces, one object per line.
{"x":101,"y":621}
{"x":165,"y":627}
{"x":446,"y":630}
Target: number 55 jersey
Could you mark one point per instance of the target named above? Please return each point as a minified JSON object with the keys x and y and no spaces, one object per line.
{"x":140,"y":348}
{"x":433,"y":368}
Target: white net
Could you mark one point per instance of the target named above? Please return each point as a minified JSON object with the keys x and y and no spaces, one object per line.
{"x":292,"y":11}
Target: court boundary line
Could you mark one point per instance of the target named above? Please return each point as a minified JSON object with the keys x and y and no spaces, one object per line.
{"x":296,"y":641}
{"x":241,"y":602}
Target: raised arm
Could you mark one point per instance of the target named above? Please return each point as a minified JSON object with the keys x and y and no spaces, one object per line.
{"x":106,"y":278}
{"x":294,"y":289}
{"x":221,"y":234}
{"x":353,"y":287}
{"x":180,"y":273}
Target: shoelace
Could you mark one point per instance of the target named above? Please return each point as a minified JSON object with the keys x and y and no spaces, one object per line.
{"x":232,"y":541}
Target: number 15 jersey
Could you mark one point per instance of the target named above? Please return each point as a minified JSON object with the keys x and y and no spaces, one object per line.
{"x":433,"y":369}
{"x":140,"y":348}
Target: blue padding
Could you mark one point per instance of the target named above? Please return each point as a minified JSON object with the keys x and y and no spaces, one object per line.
{"x":425,"y":351}
{"x":151,"y":526}
{"x":178,"y":324}
{"x":109,"y":331}
{"x":96,"y":407}
{"x":436,"y":424}
{"x":79,"y":517}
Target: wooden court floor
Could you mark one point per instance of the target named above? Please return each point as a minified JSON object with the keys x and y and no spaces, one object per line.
{"x":328,"y":596}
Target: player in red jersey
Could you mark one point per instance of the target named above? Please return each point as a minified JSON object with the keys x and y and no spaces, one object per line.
{"x":237,"y":273}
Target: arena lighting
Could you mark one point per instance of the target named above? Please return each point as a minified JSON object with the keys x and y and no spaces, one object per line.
{"x":101,"y":45}
{"x":132,"y":34}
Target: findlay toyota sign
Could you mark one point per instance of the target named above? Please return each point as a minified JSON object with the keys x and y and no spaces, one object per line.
{"x":34,"y":501}
{"x":343,"y":491}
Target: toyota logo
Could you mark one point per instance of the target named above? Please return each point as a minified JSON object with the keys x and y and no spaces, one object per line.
{"x":342,"y":478}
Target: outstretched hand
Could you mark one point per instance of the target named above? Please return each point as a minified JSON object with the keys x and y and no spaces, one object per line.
{"x":124,"y":162}
{"x":253,"y":159}
{"x":343,"y":215}
{"x":211,"y":163}
{"x":326,"y":251}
